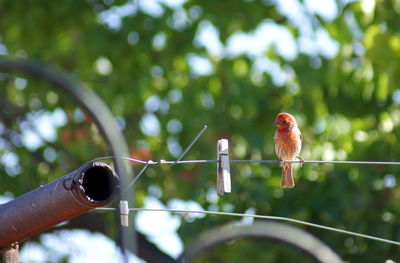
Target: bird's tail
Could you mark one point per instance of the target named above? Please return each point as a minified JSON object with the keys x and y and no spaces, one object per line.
{"x":287,"y":176}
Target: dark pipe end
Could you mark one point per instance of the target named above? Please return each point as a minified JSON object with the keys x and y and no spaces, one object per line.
{"x":95,"y":184}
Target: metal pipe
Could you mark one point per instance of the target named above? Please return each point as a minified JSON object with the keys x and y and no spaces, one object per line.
{"x":92,"y":185}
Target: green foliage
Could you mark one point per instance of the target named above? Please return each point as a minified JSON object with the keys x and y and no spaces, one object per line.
{"x":347,"y":106}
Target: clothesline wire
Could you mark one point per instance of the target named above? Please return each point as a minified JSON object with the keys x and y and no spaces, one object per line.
{"x":191,"y":143}
{"x":278,"y":218}
{"x":195,"y":139}
{"x":178,"y":161}
{"x":168,"y":162}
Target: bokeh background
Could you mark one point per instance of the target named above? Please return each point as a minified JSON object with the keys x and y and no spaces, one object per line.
{"x":168,"y":67}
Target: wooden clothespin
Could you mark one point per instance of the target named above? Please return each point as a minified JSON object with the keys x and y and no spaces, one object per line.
{"x":124,"y":212}
{"x":223,"y":169}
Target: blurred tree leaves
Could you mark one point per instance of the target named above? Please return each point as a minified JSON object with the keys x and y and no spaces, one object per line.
{"x":138,"y":53}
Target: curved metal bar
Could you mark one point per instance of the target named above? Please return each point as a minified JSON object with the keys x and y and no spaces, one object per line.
{"x":267,"y":230}
{"x":97,"y":110}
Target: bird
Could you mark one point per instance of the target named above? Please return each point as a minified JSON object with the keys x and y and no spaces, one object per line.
{"x":287,"y":145}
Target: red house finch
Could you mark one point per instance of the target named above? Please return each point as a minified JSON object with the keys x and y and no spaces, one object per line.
{"x":287,"y":145}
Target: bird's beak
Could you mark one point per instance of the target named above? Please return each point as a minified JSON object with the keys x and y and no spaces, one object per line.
{"x":276,"y":122}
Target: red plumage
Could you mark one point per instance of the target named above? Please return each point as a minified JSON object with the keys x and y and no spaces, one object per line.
{"x":287,"y":145}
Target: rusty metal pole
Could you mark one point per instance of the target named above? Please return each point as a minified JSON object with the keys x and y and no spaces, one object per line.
{"x":93,"y":185}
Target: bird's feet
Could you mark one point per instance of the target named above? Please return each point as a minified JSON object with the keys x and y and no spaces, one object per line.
{"x":301,"y":160}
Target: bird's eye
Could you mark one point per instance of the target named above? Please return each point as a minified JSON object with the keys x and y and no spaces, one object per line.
{"x":284,"y":121}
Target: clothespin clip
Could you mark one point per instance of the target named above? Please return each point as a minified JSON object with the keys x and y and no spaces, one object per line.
{"x":223,"y":169}
{"x":124,"y":212}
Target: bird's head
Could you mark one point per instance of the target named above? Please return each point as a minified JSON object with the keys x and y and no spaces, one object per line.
{"x":285,"y":121}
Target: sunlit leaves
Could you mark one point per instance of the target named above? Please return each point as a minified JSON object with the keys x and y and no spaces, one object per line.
{"x":167,"y":69}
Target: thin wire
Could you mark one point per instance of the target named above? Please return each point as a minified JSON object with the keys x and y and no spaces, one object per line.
{"x":352,"y":162}
{"x":151,"y":162}
{"x":314,"y":161}
{"x":138,"y":175}
{"x":186,"y":162}
{"x":279,"y":218}
{"x":166,"y":162}
{"x":258,"y":161}
{"x":119,"y":157}
{"x":155,"y":163}
{"x":191,"y":143}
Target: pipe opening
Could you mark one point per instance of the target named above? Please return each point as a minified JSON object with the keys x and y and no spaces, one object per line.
{"x":99,"y":183}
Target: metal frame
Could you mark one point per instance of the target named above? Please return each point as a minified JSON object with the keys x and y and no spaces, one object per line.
{"x":265,"y":230}
{"x":101,"y":116}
